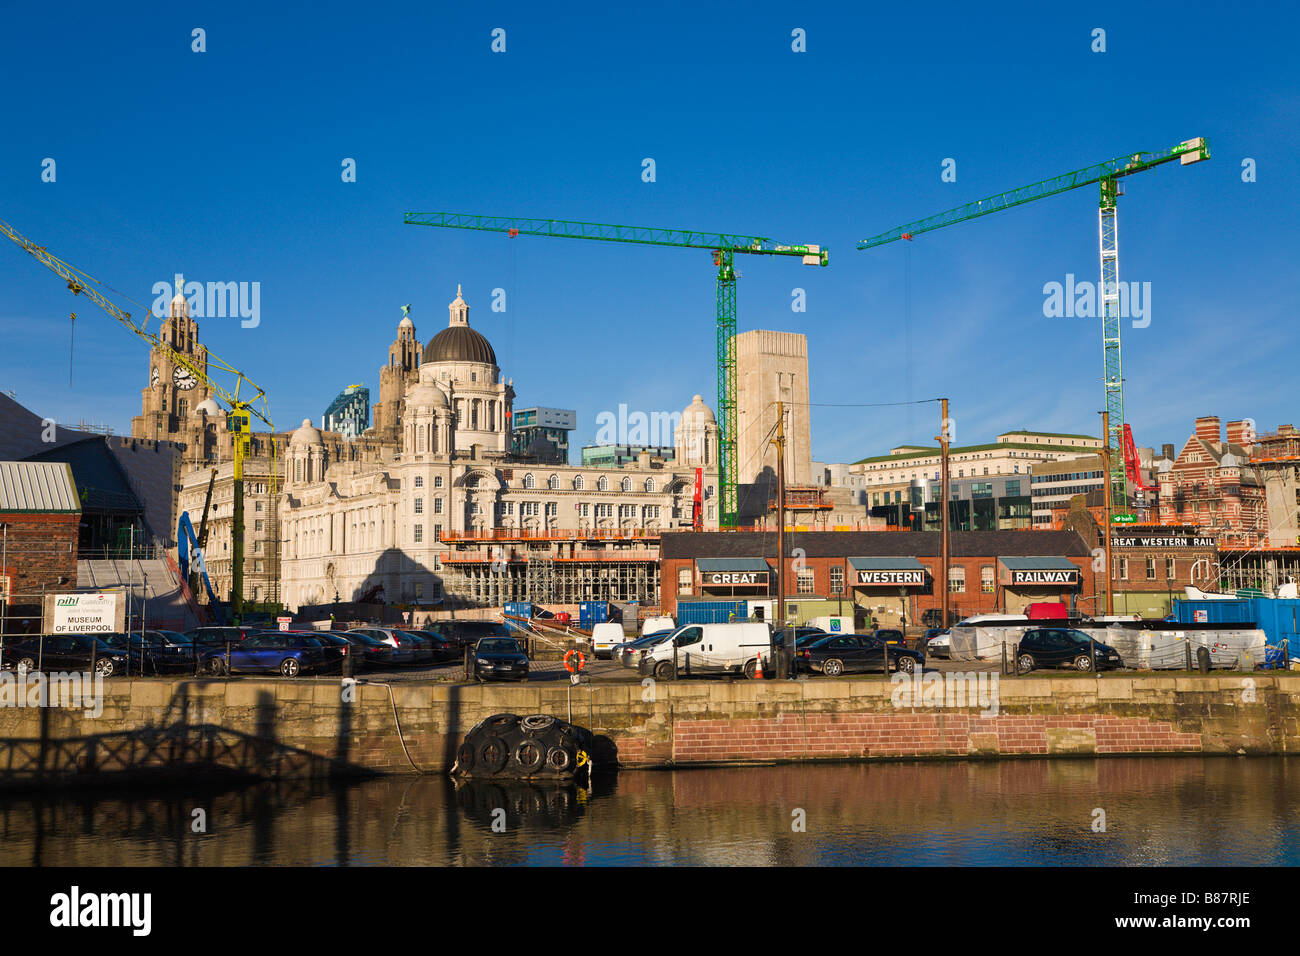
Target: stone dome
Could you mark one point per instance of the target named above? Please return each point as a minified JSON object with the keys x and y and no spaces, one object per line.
{"x":459,"y":343}
{"x":208,"y":407}
{"x":425,"y":395}
{"x":1229,"y":460}
{"x":697,"y":413}
{"x":306,"y":435}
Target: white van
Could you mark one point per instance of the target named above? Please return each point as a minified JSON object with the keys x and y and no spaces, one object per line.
{"x":710,"y":648}
{"x":653,"y":625}
{"x":605,"y":636}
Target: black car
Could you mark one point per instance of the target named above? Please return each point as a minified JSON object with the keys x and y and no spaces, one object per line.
{"x":368,"y":652}
{"x":154,"y":652}
{"x":1064,"y":647}
{"x":469,"y":633}
{"x":213,"y":637}
{"x":891,"y":635}
{"x":65,"y":652}
{"x":444,"y":648}
{"x":500,"y":658}
{"x":841,"y":653}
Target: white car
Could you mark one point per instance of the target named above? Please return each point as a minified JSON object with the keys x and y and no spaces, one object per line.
{"x":605,"y":637}
{"x":940,"y":645}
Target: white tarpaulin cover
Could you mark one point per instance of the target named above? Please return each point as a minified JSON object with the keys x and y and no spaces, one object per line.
{"x":1229,"y":647}
{"x":979,"y":643}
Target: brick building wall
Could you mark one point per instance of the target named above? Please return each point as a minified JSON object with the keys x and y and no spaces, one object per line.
{"x":978,"y":587}
{"x":41,"y":552}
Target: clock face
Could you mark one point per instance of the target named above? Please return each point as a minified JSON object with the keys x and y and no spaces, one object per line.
{"x":183,"y":378}
{"x":154,"y":379}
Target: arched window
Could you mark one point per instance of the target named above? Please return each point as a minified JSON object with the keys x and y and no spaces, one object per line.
{"x":529,"y":482}
{"x":625,"y":484}
{"x":553,"y":482}
{"x":578,"y":483}
{"x":602,"y":484}
{"x":650,"y":484}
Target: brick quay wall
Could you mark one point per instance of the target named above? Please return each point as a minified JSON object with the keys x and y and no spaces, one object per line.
{"x":272,"y":728}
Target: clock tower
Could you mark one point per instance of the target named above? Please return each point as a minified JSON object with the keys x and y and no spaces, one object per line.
{"x":176,"y":405}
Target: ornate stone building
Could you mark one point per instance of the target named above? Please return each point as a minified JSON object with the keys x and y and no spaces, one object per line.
{"x":449,"y":514}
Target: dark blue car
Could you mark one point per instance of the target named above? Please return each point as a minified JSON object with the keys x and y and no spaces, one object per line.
{"x":272,"y":652}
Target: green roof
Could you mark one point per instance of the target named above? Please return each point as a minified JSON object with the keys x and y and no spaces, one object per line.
{"x":1030,"y":431}
{"x":967,"y":448}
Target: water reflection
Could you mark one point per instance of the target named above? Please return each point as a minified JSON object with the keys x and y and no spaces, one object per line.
{"x":1177,"y":810}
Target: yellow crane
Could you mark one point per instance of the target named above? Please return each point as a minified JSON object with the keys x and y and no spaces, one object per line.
{"x":240,"y":411}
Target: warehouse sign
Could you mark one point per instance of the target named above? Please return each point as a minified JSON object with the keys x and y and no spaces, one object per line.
{"x":92,"y":613}
{"x":1162,"y":541}
{"x":891,"y":577}
{"x":734,"y":579}
{"x":1046,"y":576}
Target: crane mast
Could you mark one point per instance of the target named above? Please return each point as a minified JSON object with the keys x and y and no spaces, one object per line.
{"x":1108,"y":175}
{"x":240,"y":410}
{"x":724,"y":246}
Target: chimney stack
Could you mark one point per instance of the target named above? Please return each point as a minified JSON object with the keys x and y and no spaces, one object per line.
{"x":1207,"y":428}
{"x":1241,"y":432}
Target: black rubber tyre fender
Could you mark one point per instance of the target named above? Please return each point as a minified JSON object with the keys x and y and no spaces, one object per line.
{"x":558,"y":759}
{"x":529,"y":755}
{"x":498,"y":723}
{"x":466,"y":757}
{"x":537,"y":723}
{"x":492,"y":754}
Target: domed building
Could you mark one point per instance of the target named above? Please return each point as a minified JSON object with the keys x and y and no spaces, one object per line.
{"x":450,"y":516}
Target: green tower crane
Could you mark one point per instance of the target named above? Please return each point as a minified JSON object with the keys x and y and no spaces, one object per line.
{"x":724,"y":247}
{"x":1108,"y":174}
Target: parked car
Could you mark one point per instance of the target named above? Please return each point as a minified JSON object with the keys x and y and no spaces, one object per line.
{"x":891,"y":635}
{"x":444,"y":648}
{"x":155,"y":652}
{"x":284,"y":652}
{"x":469,"y":633}
{"x":629,"y":654}
{"x":937,"y":642}
{"x":404,"y":648}
{"x":500,"y":658}
{"x":1064,"y":647}
{"x":338,"y":647}
{"x":843,"y":653}
{"x":65,"y":652}
{"x":369,"y":652}
{"x":202,"y":637}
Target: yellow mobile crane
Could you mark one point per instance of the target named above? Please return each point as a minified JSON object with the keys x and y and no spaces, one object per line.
{"x":240,"y":410}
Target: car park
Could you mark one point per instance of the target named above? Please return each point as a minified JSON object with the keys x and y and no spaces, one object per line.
{"x":845,"y":653}
{"x":500,"y":658}
{"x":66,"y":652}
{"x":336,"y":648}
{"x":1064,"y":647}
{"x":287,"y":653}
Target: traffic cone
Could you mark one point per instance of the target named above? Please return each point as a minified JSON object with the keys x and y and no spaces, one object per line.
{"x":758,"y":667}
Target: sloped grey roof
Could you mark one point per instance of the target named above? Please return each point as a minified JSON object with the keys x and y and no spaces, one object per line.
{"x":39,"y":487}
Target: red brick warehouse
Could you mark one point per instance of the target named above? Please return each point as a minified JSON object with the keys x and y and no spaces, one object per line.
{"x":889,"y":574}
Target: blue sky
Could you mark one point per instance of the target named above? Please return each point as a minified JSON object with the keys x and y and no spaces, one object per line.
{"x":225,"y":165}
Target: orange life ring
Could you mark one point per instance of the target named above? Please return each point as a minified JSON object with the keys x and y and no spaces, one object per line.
{"x":568,"y":661}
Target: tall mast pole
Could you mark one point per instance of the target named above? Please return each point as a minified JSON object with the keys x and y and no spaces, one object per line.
{"x":1105,"y":455}
{"x":943,"y":507}
{"x":779,"y":442}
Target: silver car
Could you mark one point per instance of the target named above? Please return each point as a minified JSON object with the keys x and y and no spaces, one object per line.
{"x":404,"y":654}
